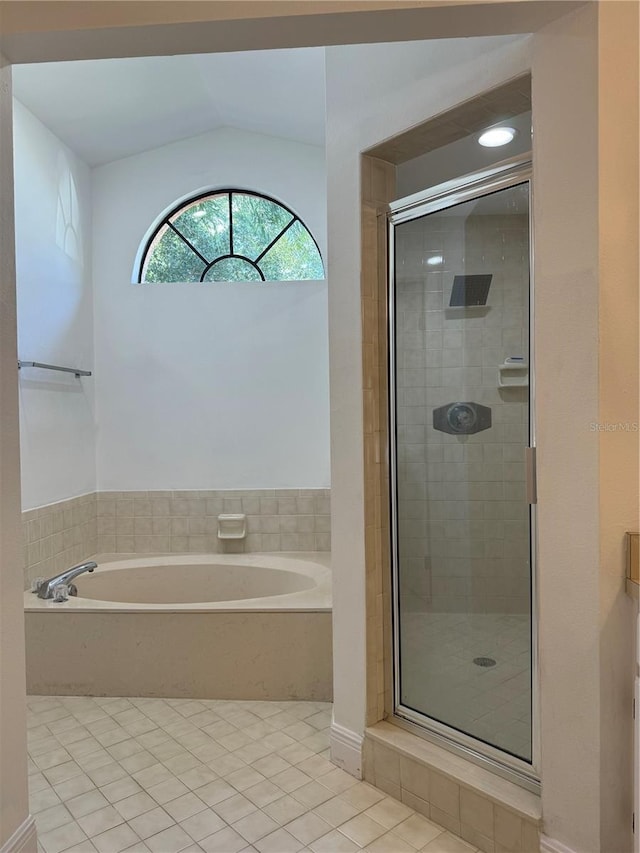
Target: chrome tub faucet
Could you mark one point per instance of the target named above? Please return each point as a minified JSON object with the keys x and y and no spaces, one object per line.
{"x":45,"y":590}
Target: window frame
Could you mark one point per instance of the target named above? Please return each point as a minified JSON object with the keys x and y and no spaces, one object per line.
{"x":229,"y":192}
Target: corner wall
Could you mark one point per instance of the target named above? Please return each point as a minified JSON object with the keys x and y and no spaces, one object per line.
{"x":55,"y":314}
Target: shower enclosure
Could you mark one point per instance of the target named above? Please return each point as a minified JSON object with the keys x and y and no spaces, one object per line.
{"x":462,"y":467}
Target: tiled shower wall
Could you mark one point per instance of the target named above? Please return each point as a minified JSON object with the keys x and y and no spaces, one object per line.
{"x":463,"y":527}
{"x":60,"y":534}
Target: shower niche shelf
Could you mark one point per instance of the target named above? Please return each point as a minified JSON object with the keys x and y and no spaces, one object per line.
{"x":513,"y":373}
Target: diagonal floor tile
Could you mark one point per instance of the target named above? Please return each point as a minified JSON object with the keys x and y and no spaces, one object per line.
{"x":151,"y":822}
{"x":157,"y":776}
{"x":255,"y":826}
{"x":100,"y":820}
{"x":308,"y":828}
{"x":203,"y":824}
{"x":86,"y":803}
{"x":362,"y":829}
{"x":224,"y":841}
{"x":114,"y":840}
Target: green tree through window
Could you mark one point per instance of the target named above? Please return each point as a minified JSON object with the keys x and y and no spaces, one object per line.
{"x":231,"y":235}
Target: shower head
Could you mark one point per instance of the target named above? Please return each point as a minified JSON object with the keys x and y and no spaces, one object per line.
{"x":470,"y":291}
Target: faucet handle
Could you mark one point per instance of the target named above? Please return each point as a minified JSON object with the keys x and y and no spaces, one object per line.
{"x":60,"y":592}
{"x":36,"y":583}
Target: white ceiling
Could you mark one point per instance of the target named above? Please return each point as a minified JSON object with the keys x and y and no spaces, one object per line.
{"x":108,"y":109}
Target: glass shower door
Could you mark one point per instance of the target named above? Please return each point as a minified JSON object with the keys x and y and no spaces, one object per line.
{"x":460,"y":416}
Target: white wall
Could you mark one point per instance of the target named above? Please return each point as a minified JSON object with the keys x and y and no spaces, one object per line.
{"x":373,"y":92}
{"x":585,"y":118}
{"x":55,"y":315}
{"x":214,"y":386}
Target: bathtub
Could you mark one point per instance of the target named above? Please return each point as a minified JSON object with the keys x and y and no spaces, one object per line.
{"x":217,"y":626}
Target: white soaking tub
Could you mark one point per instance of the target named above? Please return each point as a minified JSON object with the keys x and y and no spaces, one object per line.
{"x":219,"y":626}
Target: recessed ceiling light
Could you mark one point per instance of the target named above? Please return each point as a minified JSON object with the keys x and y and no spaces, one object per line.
{"x":496,"y":136}
{"x":434,"y":260}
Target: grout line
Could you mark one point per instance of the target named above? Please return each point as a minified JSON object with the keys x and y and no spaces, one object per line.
{"x":284,"y":797}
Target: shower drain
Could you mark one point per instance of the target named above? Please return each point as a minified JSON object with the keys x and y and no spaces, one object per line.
{"x":484,"y":661}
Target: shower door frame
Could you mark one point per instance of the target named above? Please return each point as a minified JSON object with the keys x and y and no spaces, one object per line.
{"x":440,"y":197}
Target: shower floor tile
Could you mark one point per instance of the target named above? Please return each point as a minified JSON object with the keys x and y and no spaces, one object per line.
{"x":219,"y":803}
{"x":440,"y":678}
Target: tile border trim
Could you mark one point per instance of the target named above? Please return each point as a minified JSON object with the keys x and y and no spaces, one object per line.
{"x":346,"y":749}
{"x":23,"y":839}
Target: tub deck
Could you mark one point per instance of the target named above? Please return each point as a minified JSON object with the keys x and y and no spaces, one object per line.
{"x":275,"y":647}
{"x":313,"y":565}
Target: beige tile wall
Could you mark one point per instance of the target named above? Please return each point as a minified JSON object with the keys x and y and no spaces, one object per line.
{"x":56,"y":536}
{"x":463,"y":516}
{"x":187,"y":521}
{"x":60,"y":534}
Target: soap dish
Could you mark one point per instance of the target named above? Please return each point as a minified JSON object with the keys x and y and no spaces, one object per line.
{"x":513,"y":373}
{"x":232,"y":526}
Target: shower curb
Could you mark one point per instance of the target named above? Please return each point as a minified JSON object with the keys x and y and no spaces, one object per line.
{"x":468,"y":800}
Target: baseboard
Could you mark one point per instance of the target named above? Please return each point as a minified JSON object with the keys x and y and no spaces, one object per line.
{"x":346,"y":749}
{"x":550,"y":845}
{"x":23,"y":840}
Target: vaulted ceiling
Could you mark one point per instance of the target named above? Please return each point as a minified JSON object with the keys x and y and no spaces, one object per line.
{"x":108,"y":109}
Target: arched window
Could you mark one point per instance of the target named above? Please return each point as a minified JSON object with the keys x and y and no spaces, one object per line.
{"x":231,"y":235}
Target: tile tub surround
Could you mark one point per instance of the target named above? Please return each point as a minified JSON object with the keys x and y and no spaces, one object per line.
{"x":187,"y":521}
{"x":112,"y":774}
{"x":58,"y":535}
{"x":489,"y":812}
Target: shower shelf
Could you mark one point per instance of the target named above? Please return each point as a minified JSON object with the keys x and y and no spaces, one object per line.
{"x":513,"y":374}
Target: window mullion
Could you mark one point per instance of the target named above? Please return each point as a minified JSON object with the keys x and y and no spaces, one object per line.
{"x":188,"y":242}
{"x":275,"y":239}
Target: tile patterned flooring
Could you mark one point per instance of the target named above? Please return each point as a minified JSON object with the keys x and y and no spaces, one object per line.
{"x":169,"y":775}
{"x":440,"y":678}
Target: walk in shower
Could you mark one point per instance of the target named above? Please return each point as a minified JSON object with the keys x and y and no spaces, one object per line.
{"x":461,"y":466}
